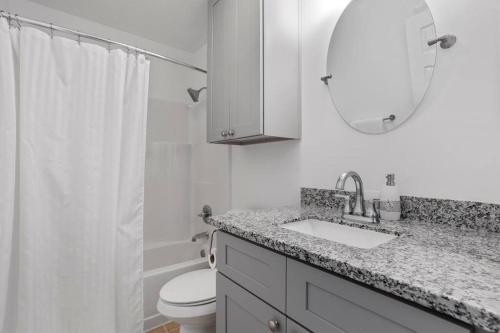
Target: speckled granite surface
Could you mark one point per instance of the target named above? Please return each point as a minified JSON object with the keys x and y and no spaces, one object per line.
{"x":451,"y":270}
{"x":462,"y":214}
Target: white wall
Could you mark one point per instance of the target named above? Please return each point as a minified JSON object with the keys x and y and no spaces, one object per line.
{"x":448,"y":149}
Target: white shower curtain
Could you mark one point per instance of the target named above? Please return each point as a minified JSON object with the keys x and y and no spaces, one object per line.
{"x":72,"y":153}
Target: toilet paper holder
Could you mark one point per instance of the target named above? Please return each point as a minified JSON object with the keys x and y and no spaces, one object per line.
{"x":212,"y":261}
{"x":211,"y":241}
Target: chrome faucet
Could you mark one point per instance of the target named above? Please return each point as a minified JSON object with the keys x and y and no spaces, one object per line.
{"x":359,"y":205}
{"x":201,"y":235}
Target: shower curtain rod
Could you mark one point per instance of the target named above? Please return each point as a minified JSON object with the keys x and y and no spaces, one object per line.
{"x":52,"y":27}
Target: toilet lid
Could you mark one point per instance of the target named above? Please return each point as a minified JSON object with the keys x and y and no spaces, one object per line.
{"x":196,"y":287}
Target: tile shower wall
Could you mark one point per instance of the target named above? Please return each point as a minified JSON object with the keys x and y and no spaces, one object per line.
{"x":168,"y":173}
{"x":447,"y":149}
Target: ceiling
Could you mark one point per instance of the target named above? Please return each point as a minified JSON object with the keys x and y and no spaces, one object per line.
{"x":177,"y":23}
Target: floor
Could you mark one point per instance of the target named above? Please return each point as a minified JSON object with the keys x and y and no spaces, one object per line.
{"x":170,"y":327}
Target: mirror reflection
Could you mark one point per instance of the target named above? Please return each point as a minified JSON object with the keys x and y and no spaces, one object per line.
{"x":380,"y":62}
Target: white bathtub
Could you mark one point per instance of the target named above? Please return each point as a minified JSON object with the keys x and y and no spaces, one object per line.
{"x":162,"y":262}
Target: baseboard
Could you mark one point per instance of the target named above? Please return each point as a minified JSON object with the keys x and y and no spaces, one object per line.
{"x":154,"y":322}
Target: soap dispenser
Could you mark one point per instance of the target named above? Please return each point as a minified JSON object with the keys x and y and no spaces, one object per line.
{"x":390,"y":201}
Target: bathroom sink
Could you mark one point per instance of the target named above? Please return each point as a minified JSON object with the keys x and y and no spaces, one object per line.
{"x":352,"y":236}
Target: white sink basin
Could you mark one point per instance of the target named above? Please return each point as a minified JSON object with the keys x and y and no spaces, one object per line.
{"x":352,"y":236}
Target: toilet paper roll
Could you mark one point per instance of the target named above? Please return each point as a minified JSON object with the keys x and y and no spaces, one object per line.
{"x":212,"y":258}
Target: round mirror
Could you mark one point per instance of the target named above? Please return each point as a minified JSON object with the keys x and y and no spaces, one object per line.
{"x":380,"y":62}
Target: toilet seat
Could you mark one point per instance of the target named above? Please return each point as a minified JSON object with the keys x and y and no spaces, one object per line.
{"x":181,"y":312}
{"x":195,"y":288}
{"x":189,"y":299}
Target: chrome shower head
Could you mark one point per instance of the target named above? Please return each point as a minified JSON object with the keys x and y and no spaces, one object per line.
{"x":195,"y":94}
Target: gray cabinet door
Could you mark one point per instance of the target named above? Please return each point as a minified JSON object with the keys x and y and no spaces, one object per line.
{"x":293,"y":327}
{"x":238,"y":311}
{"x":323,"y":302}
{"x":253,"y":71}
{"x":234,"y":69}
{"x":221,"y":70}
{"x":260,"y":271}
{"x":246,"y":112}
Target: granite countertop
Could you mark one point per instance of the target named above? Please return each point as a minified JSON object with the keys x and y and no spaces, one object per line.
{"x":454,"y":271}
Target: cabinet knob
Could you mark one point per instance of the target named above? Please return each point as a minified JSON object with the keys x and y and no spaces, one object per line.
{"x":231,"y":132}
{"x":223,"y":133}
{"x":273,"y":325}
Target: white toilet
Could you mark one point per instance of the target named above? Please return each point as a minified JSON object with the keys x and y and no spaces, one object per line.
{"x":189,"y":299}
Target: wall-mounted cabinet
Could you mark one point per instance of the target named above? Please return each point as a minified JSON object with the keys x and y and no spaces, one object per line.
{"x":253,"y":71}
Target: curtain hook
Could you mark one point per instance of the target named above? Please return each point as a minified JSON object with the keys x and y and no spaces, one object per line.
{"x":18,"y":22}
{"x":51,"y":31}
{"x":79,"y":38}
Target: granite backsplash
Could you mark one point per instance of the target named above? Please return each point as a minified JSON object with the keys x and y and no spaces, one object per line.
{"x":461,"y":214}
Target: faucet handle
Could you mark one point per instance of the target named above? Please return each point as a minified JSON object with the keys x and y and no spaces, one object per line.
{"x":348,"y":207}
{"x":376,"y":211}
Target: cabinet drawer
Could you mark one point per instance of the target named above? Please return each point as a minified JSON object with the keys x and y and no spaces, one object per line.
{"x":258,"y":270}
{"x":323,"y":302}
{"x":238,"y":311}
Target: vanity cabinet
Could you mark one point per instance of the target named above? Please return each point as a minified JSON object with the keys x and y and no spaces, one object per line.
{"x":253,"y":71}
{"x":238,"y":311}
{"x":326,"y":303}
{"x":256,"y":269}
{"x":259,"y":290}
